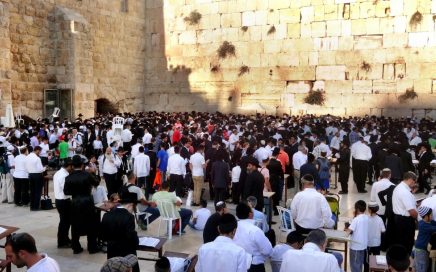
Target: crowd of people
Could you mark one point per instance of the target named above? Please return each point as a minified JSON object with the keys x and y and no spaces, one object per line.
{"x":158,"y":158}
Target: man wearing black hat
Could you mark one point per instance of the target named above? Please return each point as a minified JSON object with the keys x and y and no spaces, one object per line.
{"x":254,"y":183}
{"x":276,"y":177}
{"x":210,"y":231}
{"x":84,"y":218}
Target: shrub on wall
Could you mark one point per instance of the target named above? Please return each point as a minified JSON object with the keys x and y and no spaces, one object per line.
{"x":243,"y":70}
{"x":315,"y":97}
{"x":271,"y":30}
{"x":226,"y":49}
{"x":410,"y":94}
{"x":416,"y":19}
{"x":193,"y":18}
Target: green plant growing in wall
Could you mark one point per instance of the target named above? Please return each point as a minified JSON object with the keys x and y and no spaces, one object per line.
{"x":410,"y":94}
{"x":193,"y":18}
{"x":271,"y":30}
{"x":215,"y":69}
{"x":416,"y":19}
{"x":243,"y":70}
{"x":315,"y":97}
{"x":365,"y":66}
{"x":244,"y":28}
{"x":226,"y":49}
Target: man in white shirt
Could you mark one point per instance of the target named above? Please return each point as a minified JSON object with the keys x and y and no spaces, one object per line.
{"x":135,"y":148}
{"x":126,"y":137}
{"x":147,"y":137}
{"x":405,"y":214}
{"x":200,"y":216}
{"x":233,"y":140}
{"x":197,"y":165}
{"x":63,"y":204}
{"x":35,"y":169}
{"x":21,"y":251}
{"x":416,"y":140}
{"x":223,"y":254}
{"x":335,"y":142}
{"x":322,"y":147}
{"x":379,"y":186}
{"x":141,"y":168}
{"x":44,"y":151}
{"x":262,"y":152}
{"x":6,"y":176}
{"x":310,"y":209}
{"x":311,"y":257}
{"x":294,"y":241}
{"x":236,"y":185}
{"x":176,"y":170}
{"x":361,"y":154}
{"x":298,"y":159}
{"x":431,"y":203}
{"x":109,"y":164}
{"x":21,"y":179}
{"x":251,"y":238}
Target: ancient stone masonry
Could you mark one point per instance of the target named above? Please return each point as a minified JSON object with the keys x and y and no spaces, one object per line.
{"x":94,"y":47}
{"x":363,"y":54}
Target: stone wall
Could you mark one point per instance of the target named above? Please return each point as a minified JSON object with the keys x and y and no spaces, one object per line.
{"x":363,"y":54}
{"x":95,"y":47}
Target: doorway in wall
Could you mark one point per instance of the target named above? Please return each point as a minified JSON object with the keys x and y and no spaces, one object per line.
{"x":59,"y":98}
{"x":103,"y":106}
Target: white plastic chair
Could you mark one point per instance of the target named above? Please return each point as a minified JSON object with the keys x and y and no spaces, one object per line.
{"x":169,"y":213}
{"x":117,"y":127}
{"x":286,"y":221}
{"x":18,"y":119}
{"x":55,"y":113}
{"x":146,"y":217}
{"x":275,"y":266}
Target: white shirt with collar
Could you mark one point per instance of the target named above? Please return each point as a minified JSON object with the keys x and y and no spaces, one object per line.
{"x":34,"y":164}
{"x":261,"y":154}
{"x":141,"y":166}
{"x":59,"y":182}
{"x":126,"y":135}
{"x":108,"y":167}
{"x":253,"y":240}
{"x":377,"y":187}
{"x":311,"y":210}
{"x":46,"y":264}
{"x":403,"y":200}
{"x":44,"y":149}
{"x":135,"y":150}
{"x":335,"y":143}
{"x":222,"y":255}
{"x":309,"y":259}
{"x":359,"y":237}
{"x":20,"y":167}
{"x":147,"y":138}
{"x":298,"y":160}
{"x":361,"y":151}
{"x":176,"y":165}
{"x":279,"y":250}
{"x":431,"y":203}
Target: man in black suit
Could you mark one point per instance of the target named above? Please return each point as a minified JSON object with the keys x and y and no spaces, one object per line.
{"x":253,"y":185}
{"x":118,"y":229}
{"x":424,"y":169}
{"x":276,"y":177}
{"x":84,"y":217}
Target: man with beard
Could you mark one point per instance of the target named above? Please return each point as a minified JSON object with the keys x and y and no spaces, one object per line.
{"x":84,"y":218}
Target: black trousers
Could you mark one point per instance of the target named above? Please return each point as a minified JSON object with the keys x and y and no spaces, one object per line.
{"x":36,"y":183}
{"x":301,"y":230}
{"x":257,"y":268}
{"x":64,"y":209}
{"x":236,"y":192}
{"x":423,"y":184}
{"x":111,"y":183}
{"x":21,"y":194}
{"x":176,"y":184}
{"x":344,"y":174}
{"x":360,"y":171}
{"x":91,"y":238}
{"x":219,"y":194}
{"x":405,"y":231}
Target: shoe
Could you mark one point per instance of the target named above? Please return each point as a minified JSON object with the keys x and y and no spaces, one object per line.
{"x":67,"y":245}
{"x":10,"y":202}
{"x":342,"y":193}
{"x":273,"y":222}
{"x":195,"y":205}
{"x":77,"y":251}
{"x":363,"y":191}
{"x":34,"y":210}
{"x":4,"y":201}
{"x":142,"y":225}
{"x":19,"y":205}
{"x":95,"y":250}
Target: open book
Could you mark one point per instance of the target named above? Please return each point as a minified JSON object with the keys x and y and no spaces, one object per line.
{"x":148,"y":241}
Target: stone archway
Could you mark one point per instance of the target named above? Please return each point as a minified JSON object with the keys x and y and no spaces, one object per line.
{"x":103,"y":106}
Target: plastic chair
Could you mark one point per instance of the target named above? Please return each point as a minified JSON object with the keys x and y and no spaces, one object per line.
{"x":55,"y":113}
{"x":275,"y":266}
{"x":18,"y":119}
{"x":286,"y":221}
{"x":169,"y":213}
{"x":117,"y":127}
{"x":146,"y":217}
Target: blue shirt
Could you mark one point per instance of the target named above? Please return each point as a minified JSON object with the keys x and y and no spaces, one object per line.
{"x":162,"y":155}
{"x":425,"y":230}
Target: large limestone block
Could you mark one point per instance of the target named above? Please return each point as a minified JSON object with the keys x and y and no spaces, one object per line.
{"x":331,"y":43}
{"x":261,"y":17}
{"x":367,"y":9}
{"x":384,"y":86}
{"x":423,"y":85}
{"x":255,"y":33}
{"x":434,"y":86}
{"x":358,"y":27}
{"x":386,"y":25}
{"x":293,"y":73}
{"x":306,"y":30}
{"x":290,"y":15}
{"x":332,"y":72}
{"x":273,"y":46}
{"x":331,"y":11}
{"x":400,"y":24}
{"x":188,"y":37}
{"x":298,"y":86}
{"x":334,"y":28}
{"x":362,"y":86}
{"x":307,"y":14}
{"x":319,"y":13}
{"x":373,"y":26}
{"x":248,"y":18}
{"x":433,"y":6}
{"x":388,"y":71}
{"x":345,"y":28}
{"x":368,"y":42}
{"x":346,"y":43}
{"x":338,"y":86}
{"x":354,"y":11}
{"x":420,"y":39}
{"x":231,"y":20}
{"x":404,"y":84}
{"x":397,"y":7}
{"x":428,"y":70}
{"x":327,"y":58}
{"x":382,"y":8}
{"x":395,"y":40}
{"x":279,"y":4}
{"x":294,"y":30}
{"x":273,"y":17}
{"x":313,"y":58}
{"x":318,"y":29}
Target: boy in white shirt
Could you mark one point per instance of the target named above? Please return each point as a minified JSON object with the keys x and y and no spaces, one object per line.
{"x":200,"y":216}
{"x":375,"y":229}
{"x":236,"y":188}
{"x":359,"y":236}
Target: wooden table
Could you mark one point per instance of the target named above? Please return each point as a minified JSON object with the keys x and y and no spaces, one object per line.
{"x":269,"y":207}
{"x":158,"y":248}
{"x":374,"y":267}
{"x":7,"y":234}
{"x":176,"y":254}
{"x":341,"y":237}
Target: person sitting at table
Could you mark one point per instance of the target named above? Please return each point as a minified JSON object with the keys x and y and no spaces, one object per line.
{"x":310,"y":209}
{"x":162,"y":265}
{"x":20,"y":249}
{"x":210,"y":231}
{"x":397,"y":259}
{"x":118,"y":229}
{"x":294,"y":241}
{"x":200,"y":216}
{"x":311,"y":257}
{"x":164,"y":195}
{"x":223,"y":254}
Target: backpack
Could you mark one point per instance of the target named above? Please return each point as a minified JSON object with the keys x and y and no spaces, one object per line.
{"x":126,"y":195}
{"x":324,"y":169}
{"x":4,"y":165}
